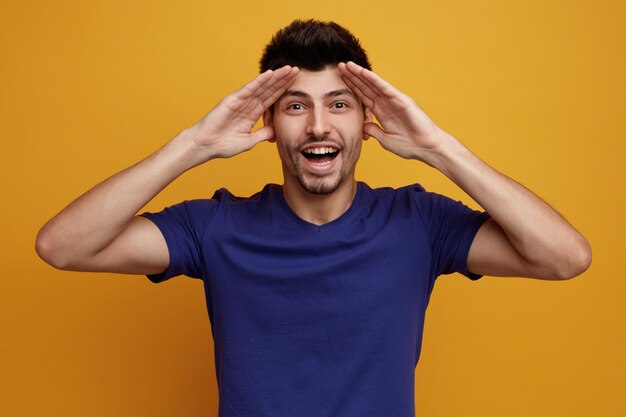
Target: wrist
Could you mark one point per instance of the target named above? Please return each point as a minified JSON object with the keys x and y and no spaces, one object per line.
{"x":182,"y":153}
{"x":447,"y":154}
{"x":188,"y":148}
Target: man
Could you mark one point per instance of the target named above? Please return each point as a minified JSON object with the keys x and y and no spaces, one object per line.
{"x":316,"y":289}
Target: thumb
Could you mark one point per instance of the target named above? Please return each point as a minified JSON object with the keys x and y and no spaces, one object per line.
{"x":373,"y":130}
{"x":263,"y":133}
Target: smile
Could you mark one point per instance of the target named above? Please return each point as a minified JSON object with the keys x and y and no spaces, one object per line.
{"x":320,"y":154}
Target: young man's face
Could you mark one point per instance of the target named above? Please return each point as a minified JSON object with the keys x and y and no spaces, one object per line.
{"x":318,"y":126}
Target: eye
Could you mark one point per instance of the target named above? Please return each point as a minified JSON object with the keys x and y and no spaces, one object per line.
{"x":294,"y":106}
{"x":340,"y":105}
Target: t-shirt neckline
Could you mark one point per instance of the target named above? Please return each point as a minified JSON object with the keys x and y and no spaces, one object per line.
{"x":346,"y":216}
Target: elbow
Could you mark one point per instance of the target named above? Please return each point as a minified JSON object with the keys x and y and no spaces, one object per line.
{"x":48,"y":251}
{"x":576,"y":261}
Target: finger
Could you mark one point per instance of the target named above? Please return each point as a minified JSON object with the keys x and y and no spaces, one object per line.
{"x":353,"y":74}
{"x":373,"y":130}
{"x":364,"y":99}
{"x":283,"y":76}
{"x":262,"y":82}
{"x":280,"y":77}
{"x":249,"y":88}
{"x":375,"y":82}
{"x":279,"y":88}
{"x":263,"y":133}
{"x":360,"y":84}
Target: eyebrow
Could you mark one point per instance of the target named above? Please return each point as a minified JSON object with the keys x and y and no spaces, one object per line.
{"x":334,"y":93}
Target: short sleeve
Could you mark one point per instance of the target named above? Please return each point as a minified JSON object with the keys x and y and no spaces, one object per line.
{"x":451,"y":228}
{"x":183,"y":226}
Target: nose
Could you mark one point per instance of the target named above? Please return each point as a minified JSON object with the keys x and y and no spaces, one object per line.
{"x":318,"y":124}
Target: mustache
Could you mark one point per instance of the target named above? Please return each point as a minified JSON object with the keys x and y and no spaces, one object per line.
{"x":324,"y":139}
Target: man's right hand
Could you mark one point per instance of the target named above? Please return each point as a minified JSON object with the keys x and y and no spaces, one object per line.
{"x":227,"y":129}
{"x":100,"y":231}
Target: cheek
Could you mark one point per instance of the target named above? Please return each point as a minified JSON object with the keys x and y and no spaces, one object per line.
{"x":351,"y":129}
{"x":286,"y":134}
{"x":285,"y":147}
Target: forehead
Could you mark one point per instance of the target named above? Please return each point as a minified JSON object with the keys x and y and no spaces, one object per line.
{"x":318,"y":83}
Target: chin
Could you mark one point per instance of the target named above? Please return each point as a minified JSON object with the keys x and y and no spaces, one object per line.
{"x":321,"y":185}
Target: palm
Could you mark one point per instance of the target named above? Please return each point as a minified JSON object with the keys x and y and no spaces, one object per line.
{"x":404,"y":128}
{"x":227,"y":129}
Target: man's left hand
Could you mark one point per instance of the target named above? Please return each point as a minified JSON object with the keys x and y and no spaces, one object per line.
{"x":404,"y":128}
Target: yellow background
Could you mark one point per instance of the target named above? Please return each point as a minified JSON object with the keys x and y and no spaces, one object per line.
{"x":87,"y":88}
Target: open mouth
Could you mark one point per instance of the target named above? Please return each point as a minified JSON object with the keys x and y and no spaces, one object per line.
{"x":320,"y":155}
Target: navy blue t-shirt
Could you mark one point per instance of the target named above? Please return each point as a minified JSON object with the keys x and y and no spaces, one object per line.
{"x":318,"y":321}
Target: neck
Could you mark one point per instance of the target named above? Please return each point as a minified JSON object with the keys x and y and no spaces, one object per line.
{"x":319,"y":208}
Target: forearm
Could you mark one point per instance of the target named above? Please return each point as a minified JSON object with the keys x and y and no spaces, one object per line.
{"x":103,"y":218}
{"x":95,"y":219}
{"x":538,"y":233}
{"x":528,"y":236}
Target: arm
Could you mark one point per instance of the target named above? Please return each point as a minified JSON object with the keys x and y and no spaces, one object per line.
{"x":100,"y":232}
{"x":524,"y":237}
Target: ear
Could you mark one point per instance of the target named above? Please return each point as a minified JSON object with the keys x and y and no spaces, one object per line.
{"x":368,"y":117}
{"x":268,"y":120}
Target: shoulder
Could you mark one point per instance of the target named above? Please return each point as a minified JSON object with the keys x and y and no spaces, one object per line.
{"x":386,"y":192}
{"x":395,"y":202}
{"x":202,"y":210}
{"x":224,"y":196}
{"x":424,"y":200}
{"x":392,"y":195}
{"x":246,"y":211}
{"x":414,"y":200}
{"x":225,"y":200}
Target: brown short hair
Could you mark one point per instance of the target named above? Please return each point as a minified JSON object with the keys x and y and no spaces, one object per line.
{"x":312,"y":45}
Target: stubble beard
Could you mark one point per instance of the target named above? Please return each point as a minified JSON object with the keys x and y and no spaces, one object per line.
{"x":322,"y":184}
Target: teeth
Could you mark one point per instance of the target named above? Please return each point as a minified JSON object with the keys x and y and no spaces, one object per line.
{"x":320,"y":151}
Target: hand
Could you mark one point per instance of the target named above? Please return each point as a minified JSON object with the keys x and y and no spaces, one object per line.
{"x":227,"y":129}
{"x":404,"y":128}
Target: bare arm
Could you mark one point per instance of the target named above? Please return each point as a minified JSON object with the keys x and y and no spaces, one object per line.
{"x":524,"y":237}
{"x":100,"y":231}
